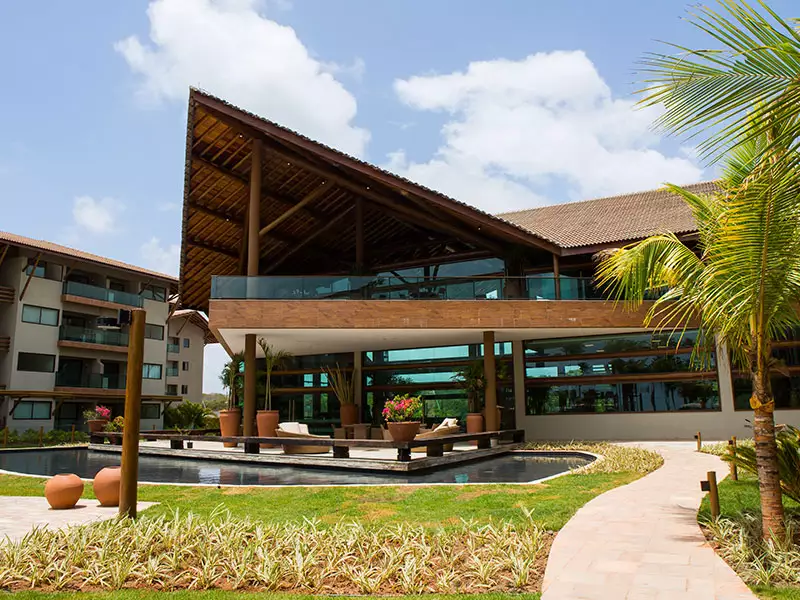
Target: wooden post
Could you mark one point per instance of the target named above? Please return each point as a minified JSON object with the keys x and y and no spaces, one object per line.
{"x":490,"y":373}
{"x":557,"y":276}
{"x":72,"y":435}
{"x":732,"y":451}
{"x":129,"y":475}
{"x":30,"y":276}
{"x":699,"y":439}
{"x":359,"y":236}
{"x":249,"y":413}
{"x":41,"y":436}
{"x":713,"y":494}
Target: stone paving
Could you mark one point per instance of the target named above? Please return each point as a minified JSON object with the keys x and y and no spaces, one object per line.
{"x":19,"y":515}
{"x":642,"y":541}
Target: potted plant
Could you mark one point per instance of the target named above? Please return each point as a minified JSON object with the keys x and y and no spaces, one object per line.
{"x":344,"y":387}
{"x":96,"y":418}
{"x":115,"y":426}
{"x":267,"y":420}
{"x":230,"y":419}
{"x":403,"y":416}
{"x":470,"y":377}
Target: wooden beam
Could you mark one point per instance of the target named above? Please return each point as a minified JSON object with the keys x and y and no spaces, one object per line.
{"x":359,"y":235}
{"x":3,"y":255}
{"x":418,"y":262}
{"x":30,"y":276}
{"x":306,"y":200}
{"x":308,"y":239}
{"x":212,"y":247}
{"x":242,"y":269}
{"x":254,"y":211}
{"x":217,"y":214}
{"x":557,"y":276}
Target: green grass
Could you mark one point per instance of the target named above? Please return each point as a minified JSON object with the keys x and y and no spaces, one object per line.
{"x":774,"y":593}
{"x":223,"y":595}
{"x":552,"y":503}
{"x":737,"y":497}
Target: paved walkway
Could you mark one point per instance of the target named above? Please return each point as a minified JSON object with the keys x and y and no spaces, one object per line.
{"x":642,"y":541}
{"x":19,"y":515}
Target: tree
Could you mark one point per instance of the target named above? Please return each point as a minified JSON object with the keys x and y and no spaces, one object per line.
{"x":231,"y":378}
{"x":732,"y":92}
{"x":274,"y":359}
{"x":741,"y":283}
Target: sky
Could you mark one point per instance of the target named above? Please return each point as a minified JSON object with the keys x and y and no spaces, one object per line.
{"x":505,"y":105}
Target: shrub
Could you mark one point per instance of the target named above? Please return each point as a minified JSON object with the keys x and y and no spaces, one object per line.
{"x":116,"y":425}
{"x":186,"y":415}
{"x":98,"y":412}
{"x":616,"y":457}
{"x":227,"y":553}
{"x":403,"y":408}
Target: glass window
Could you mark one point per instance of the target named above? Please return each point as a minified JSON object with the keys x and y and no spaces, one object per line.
{"x":38,"y":269}
{"x":32,"y":411}
{"x":151,"y":371}
{"x":185,"y":342}
{"x":590,"y":366}
{"x":42,"y":363}
{"x":172,"y":389}
{"x":39,"y":315}
{"x":185,"y":365}
{"x":154,"y":332}
{"x":150,"y":411}
{"x":155,"y":292}
{"x":785,"y":390}
{"x":613,"y":344}
{"x":623,"y":397}
{"x":184,"y":389}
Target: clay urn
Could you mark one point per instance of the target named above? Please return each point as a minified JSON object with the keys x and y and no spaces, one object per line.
{"x":229,"y":424}
{"x":63,"y":491}
{"x":106,"y":486}
{"x":348,"y":414}
{"x":267,"y":422}
{"x":96,"y":425}
{"x":403,"y":431}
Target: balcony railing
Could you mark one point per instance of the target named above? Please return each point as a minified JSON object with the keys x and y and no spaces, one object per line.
{"x":84,"y":290}
{"x":91,"y":380}
{"x":92,"y":336}
{"x":172,"y":371}
{"x":173,"y":348}
{"x":403,"y":288}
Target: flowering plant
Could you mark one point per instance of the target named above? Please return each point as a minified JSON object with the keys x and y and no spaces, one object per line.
{"x":402,"y":409}
{"x":98,"y":412}
{"x":116,"y":425}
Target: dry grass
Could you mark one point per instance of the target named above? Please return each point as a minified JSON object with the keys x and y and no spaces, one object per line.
{"x":616,"y":458}
{"x":721,"y":448}
{"x":187,"y":552}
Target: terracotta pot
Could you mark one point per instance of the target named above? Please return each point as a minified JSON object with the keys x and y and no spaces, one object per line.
{"x":474,"y":424}
{"x":348,"y":414}
{"x":405,"y":431}
{"x":267,"y":422}
{"x":106,"y":486}
{"x":96,"y":425}
{"x":229,"y":424}
{"x":63,"y":491}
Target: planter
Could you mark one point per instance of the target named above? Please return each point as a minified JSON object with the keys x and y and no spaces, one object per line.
{"x":475,"y":424}
{"x":267,"y":422}
{"x":177,"y":444}
{"x":229,"y":424}
{"x":348,"y":414}
{"x":96,"y":425}
{"x":63,"y":491}
{"x":106,"y":486}
{"x":404,"y":431}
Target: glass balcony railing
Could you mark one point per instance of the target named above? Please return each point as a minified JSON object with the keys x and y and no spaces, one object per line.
{"x":92,"y":336}
{"x":96,"y":292}
{"x":91,"y":380}
{"x":172,"y":371}
{"x":403,"y":288}
{"x":173,"y":348}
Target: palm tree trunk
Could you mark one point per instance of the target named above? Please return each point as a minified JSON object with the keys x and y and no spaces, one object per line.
{"x":769,"y":483}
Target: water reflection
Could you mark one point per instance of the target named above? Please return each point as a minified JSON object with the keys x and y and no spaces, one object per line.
{"x":86,"y":463}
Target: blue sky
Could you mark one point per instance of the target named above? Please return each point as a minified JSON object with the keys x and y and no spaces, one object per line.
{"x":504,"y":104}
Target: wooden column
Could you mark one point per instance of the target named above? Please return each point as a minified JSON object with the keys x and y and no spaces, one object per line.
{"x":359,"y":236}
{"x":358,"y":383}
{"x":129,"y":473}
{"x":253,"y":256}
{"x":490,"y":372}
{"x":557,"y":276}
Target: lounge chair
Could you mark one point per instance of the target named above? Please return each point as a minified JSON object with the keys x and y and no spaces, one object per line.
{"x":446,"y":427}
{"x":300,"y":431}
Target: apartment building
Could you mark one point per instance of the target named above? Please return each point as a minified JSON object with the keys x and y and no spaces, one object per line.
{"x":62,"y":349}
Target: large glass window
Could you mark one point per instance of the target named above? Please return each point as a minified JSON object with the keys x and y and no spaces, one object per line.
{"x":150,"y":411}
{"x":785,"y":390}
{"x":41,"y":363}
{"x":39,"y":315}
{"x":36,"y":411}
{"x":154,"y":292}
{"x":154,"y":332}
{"x":151,"y":371}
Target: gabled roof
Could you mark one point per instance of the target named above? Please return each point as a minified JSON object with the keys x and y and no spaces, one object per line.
{"x":613,"y":219}
{"x":65,"y":251}
{"x":198,"y":319}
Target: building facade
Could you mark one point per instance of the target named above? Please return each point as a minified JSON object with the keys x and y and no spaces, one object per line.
{"x":342,"y":263}
{"x":61,"y":350}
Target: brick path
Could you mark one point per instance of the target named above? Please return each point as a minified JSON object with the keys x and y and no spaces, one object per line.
{"x":19,"y":515}
{"x":642,"y":541}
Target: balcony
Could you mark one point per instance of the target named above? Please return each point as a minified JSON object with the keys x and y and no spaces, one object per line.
{"x":101,"y":294}
{"x":172,"y":372}
{"x":97,"y":381}
{"x":7,"y":294}
{"x":173,"y":348}
{"x":5,"y":343}
{"x":83,"y":336}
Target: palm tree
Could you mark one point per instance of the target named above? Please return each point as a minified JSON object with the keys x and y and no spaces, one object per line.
{"x":741,"y":283}
{"x":274,"y":359}
{"x":732,"y":91}
{"x":231,"y":378}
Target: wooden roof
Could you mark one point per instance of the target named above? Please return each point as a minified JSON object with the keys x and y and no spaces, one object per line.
{"x":310,"y":196}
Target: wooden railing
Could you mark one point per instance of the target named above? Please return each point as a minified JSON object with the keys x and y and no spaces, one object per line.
{"x":7,"y":294}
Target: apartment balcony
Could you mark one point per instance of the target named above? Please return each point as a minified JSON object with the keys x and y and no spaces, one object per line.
{"x":83,"y":293}
{"x":7,"y":294}
{"x":5,"y":343}
{"x":173,"y":348}
{"x":312,"y":315}
{"x":90,"y":381}
{"x":173,"y":372}
{"x":92,"y":339}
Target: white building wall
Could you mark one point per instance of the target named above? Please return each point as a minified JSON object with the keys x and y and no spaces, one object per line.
{"x":193,"y":378}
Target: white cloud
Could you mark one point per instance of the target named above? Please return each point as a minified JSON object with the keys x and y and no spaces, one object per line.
{"x":96,"y":216}
{"x":214,"y":359}
{"x":164,"y":259}
{"x":515,"y":126}
{"x":228,"y":48}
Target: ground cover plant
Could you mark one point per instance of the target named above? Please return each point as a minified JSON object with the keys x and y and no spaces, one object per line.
{"x":30,"y":438}
{"x":616,"y":458}
{"x":238,"y":595}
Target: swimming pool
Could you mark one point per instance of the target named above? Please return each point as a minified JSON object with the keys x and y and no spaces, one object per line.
{"x":518,"y":467}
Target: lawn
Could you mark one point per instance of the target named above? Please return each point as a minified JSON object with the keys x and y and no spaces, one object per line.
{"x":225,"y":595}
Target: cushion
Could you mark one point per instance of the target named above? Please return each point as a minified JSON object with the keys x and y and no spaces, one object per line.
{"x":446,"y":424}
{"x":290,"y":427}
{"x":303,"y":428}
